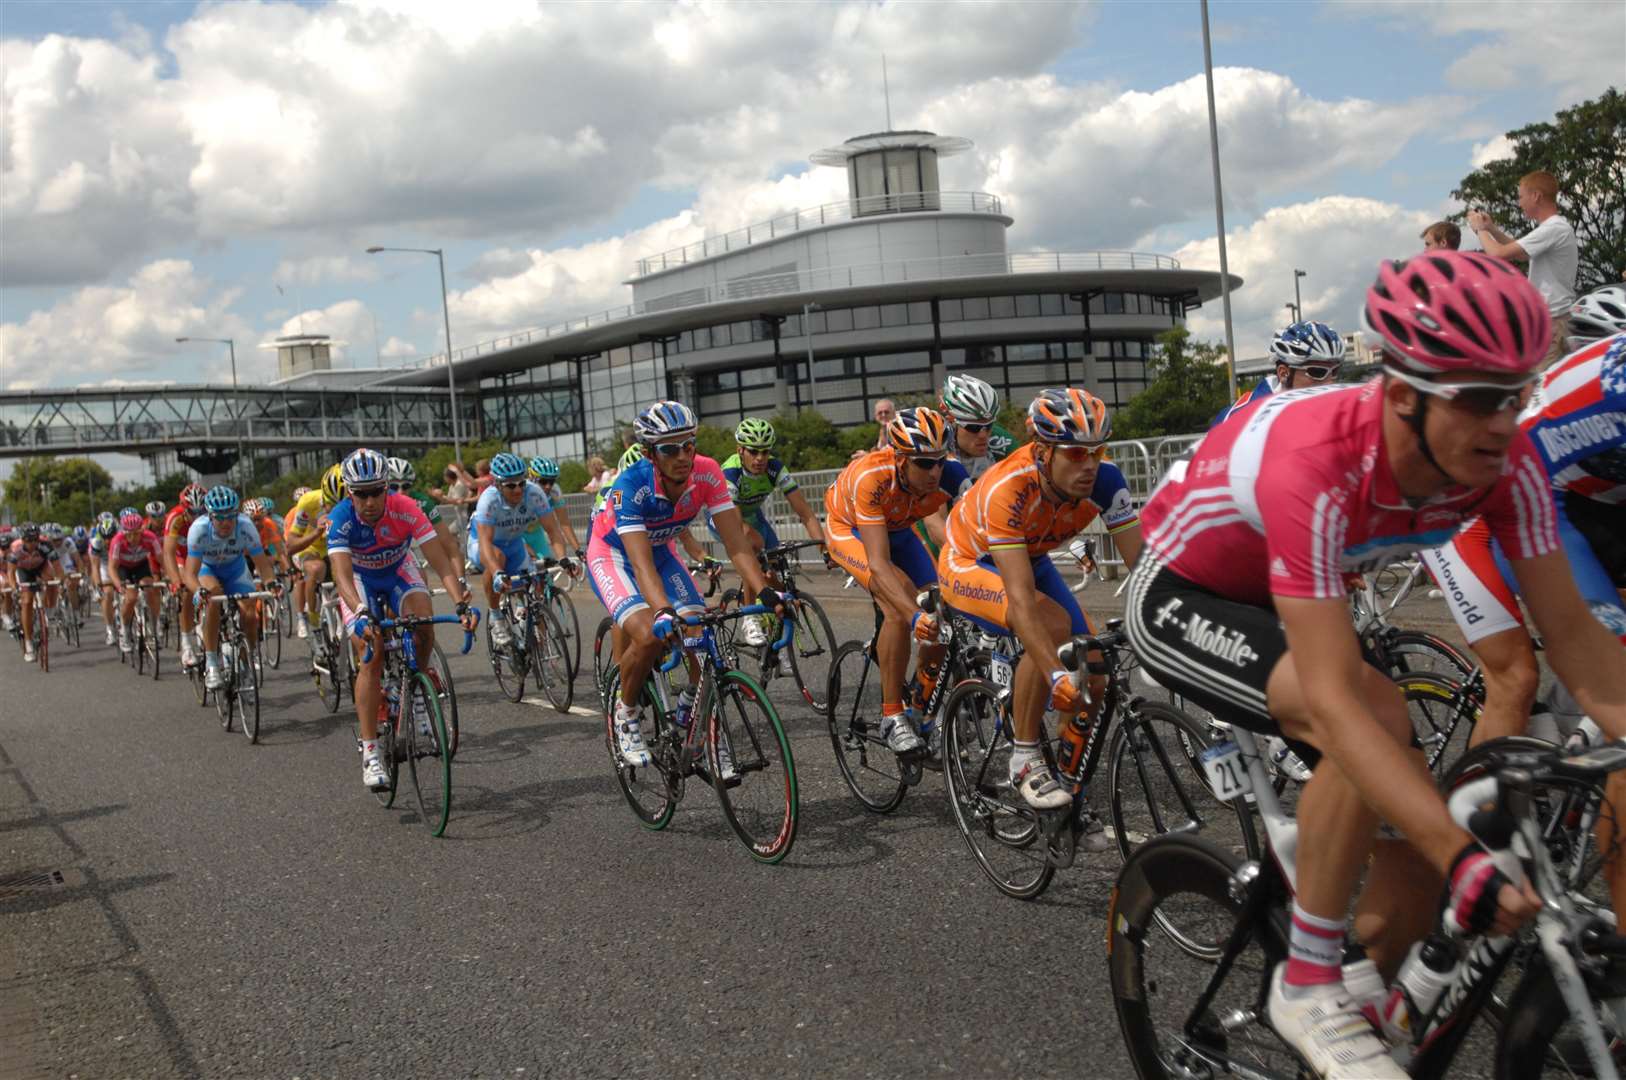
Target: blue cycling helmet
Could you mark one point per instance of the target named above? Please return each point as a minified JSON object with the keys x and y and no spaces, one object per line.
{"x":80,"y":532}
{"x":1306,"y":343}
{"x":664,"y":421}
{"x":220,"y":500}
{"x":507,"y":466}
{"x":363,"y":468}
{"x":544,"y":468}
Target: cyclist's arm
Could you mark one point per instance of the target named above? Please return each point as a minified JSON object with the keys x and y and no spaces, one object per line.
{"x":1022,"y":606}
{"x":490,"y":557}
{"x":1587,"y":659}
{"x":883,"y":586}
{"x":692,"y":547}
{"x":116,"y":572}
{"x":1330,"y":675}
{"x":299,"y":543}
{"x":810,"y":520}
{"x":1128,"y":542}
{"x":189,"y":573}
{"x":442,"y":563}
{"x":556,"y":535}
{"x":262,"y":565}
{"x":732,"y":529}
{"x":172,"y":560}
{"x":937,"y":527}
{"x":642,"y":557}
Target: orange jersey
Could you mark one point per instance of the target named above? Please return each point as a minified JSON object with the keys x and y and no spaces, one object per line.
{"x":270,"y":532}
{"x":868,"y":493}
{"x":1007,"y":508}
{"x":176,"y":524}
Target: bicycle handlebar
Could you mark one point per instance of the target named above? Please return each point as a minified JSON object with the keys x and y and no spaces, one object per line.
{"x":675,"y":655}
{"x":412,"y":622}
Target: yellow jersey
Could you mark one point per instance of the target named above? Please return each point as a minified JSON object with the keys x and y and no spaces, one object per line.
{"x":302,"y":521}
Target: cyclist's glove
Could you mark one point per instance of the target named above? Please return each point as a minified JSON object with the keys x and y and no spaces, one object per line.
{"x":770,"y":599}
{"x":358,"y":629}
{"x":569,"y":565}
{"x":829,"y":560}
{"x":1063,"y":694}
{"x":1472,"y":887}
{"x":710,"y":565}
{"x":499,"y":582}
{"x":664,"y":625}
{"x":924,"y":626}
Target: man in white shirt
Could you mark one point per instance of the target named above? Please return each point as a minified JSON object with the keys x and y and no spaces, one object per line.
{"x":1549,"y":248}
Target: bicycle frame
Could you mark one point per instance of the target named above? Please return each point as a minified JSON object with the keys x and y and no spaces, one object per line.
{"x":704,"y":644}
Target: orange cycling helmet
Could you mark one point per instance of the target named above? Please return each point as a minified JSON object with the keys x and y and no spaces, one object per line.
{"x":918,"y":433}
{"x":1069,"y":416}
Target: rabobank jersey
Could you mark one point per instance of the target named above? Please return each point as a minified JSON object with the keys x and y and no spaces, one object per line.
{"x":1008,"y":508}
{"x":1577,"y":421}
{"x":206,"y":543}
{"x":377,"y":548}
{"x":1263,"y":389}
{"x":509,"y":523}
{"x":635,"y":502}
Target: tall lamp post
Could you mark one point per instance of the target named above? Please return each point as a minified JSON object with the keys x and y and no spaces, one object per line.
{"x":1293,"y":309}
{"x":1298,"y":302}
{"x":237,"y":402}
{"x":446,"y":316}
{"x":1219,"y":203}
{"x":807,"y":334}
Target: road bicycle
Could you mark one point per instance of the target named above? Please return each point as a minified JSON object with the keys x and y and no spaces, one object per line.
{"x":536,"y":642}
{"x":557,"y":581}
{"x":273,"y":627}
{"x":1154,"y":783}
{"x":603,"y":659}
{"x":64,"y":619}
{"x":331,"y":667}
{"x":42,"y":629}
{"x":812,"y":649}
{"x":424,"y":744}
{"x":1198,"y":1009}
{"x":239,"y":695}
{"x":731,"y":738}
{"x":146,"y":641}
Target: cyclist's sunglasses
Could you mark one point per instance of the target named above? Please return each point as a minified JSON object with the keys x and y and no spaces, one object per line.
{"x":927,"y":464}
{"x":973,"y":429}
{"x":511,"y":485}
{"x":673,"y":449}
{"x":1477,"y":399}
{"x":1319,"y":372}
{"x":369,"y":492}
{"x":1080,"y":454}
{"x":396,"y":489}
{"x":229,"y":516}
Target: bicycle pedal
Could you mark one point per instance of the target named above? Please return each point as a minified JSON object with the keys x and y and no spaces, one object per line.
{"x":909,"y":768}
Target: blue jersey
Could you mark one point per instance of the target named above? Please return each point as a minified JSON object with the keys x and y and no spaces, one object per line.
{"x":1260,"y":392}
{"x":509,"y":523}
{"x":636,"y":504}
{"x":380,"y":547}
{"x":1577,"y":420}
{"x":223,"y":551}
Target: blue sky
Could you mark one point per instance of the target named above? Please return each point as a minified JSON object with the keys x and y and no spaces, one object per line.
{"x":175,"y":162}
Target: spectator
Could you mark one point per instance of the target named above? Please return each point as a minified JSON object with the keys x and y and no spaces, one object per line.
{"x":884,"y":412}
{"x":482,"y":477}
{"x":1442,"y":236}
{"x":1549,"y":248}
{"x":458,"y":494}
{"x":595,"y":475}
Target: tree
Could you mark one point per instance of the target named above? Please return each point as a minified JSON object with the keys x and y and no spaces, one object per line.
{"x":64,"y":490}
{"x":1189,"y":385}
{"x":432,"y":465}
{"x":1585,"y":148}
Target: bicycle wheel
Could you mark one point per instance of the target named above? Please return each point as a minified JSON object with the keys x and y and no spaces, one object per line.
{"x":1417,"y":652}
{"x":389,"y":748}
{"x":1157,"y":784}
{"x":550,"y":659}
{"x":853,"y":712}
{"x":70,"y":625}
{"x":760,"y":799}
{"x":153,"y":637}
{"x":271,"y":636}
{"x":647,"y":790}
{"x":326,"y":667}
{"x":439,"y":671}
{"x":1188,"y":879}
{"x":508,"y":664}
{"x":225,"y":699}
{"x":200,"y":689}
{"x":1539,"y":1037}
{"x":42,"y":646}
{"x":138,"y":643}
{"x":248,"y":690}
{"x":998,"y":826}
{"x":431,"y":769}
{"x":1442,"y":714}
{"x":812,"y":652}
{"x":602,"y":658}
{"x":564,"y":612}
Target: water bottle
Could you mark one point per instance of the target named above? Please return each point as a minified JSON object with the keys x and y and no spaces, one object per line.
{"x":685,"y":705}
{"x":228,"y":656}
{"x":1423,"y":978}
{"x":1070,"y":746}
{"x":392,"y":700}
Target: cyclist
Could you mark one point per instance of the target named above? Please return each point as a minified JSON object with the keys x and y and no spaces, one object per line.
{"x":101,"y":577}
{"x":1598,"y":314}
{"x":1238,"y":604}
{"x":218,"y":546}
{"x":7,"y":616}
{"x":177,"y":526}
{"x":370,"y":535}
{"x":996,"y":567}
{"x":1577,"y":422}
{"x":307,"y":539}
{"x":753,"y":474}
{"x":403,"y":478}
{"x":67,"y":564}
{"x":635,"y":572}
{"x":81,"y":539}
{"x":133,"y":557}
{"x":33,"y":559}
{"x":544,"y":473}
{"x":154,"y":517}
{"x":496,"y":548}
{"x":970,"y":406}
{"x":1306,"y":354}
{"x":870,"y":511}
{"x":262,"y":512}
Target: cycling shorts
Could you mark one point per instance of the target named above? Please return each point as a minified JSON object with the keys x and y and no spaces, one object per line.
{"x":28,"y":577}
{"x":315,"y":553}
{"x":233,"y":576}
{"x":760,"y":523}
{"x":907,"y":552}
{"x":976,"y":591}
{"x":387,"y":588}
{"x":515,"y":559}
{"x":616,"y":587}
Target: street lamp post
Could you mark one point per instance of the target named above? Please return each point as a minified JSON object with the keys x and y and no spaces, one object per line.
{"x":446,"y":316}
{"x":237,"y":402}
{"x":1219,"y":203}
{"x":1293,"y":309}
{"x":1298,"y":303}
{"x":807,"y":334}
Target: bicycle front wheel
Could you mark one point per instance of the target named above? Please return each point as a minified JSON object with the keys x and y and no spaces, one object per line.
{"x":431,"y":768}
{"x":998,"y":825}
{"x":570,"y":628}
{"x":439,"y":671}
{"x":271,"y":636}
{"x":812,"y":652}
{"x":550,"y":658}
{"x":647,"y":790}
{"x":152,"y":641}
{"x":751,"y":767}
{"x":507,"y":663}
{"x":853,"y":709}
{"x":389,"y":747}
{"x":248,"y":690}
{"x":1443,"y":715}
{"x":603,"y":658}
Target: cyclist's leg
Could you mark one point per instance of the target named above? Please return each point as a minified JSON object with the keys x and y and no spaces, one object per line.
{"x":152,"y":601}
{"x":127,"y":604}
{"x":210,"y":580}
{"x":315,"y":574}
{"x":25,"y":601}
{"x":610,"y":574}
{"x":368,"y":686}
{"x":409,"y":595}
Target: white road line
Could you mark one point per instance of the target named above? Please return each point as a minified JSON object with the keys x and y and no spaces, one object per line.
{"x":575,"y":710}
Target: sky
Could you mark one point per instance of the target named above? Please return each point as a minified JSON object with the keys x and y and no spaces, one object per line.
{"x":218,"y":169}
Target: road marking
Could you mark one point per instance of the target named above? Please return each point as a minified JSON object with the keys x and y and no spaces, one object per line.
{"x":574,"y":710}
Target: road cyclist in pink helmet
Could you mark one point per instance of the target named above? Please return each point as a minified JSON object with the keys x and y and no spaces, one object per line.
{"x":1238,"y":604}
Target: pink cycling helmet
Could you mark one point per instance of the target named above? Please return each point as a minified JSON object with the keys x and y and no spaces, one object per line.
{"x":130,"y":521}
{"x":1457,"y":311}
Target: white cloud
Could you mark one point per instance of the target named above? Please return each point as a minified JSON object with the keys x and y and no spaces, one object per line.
{"x":353,"y":332}
{"x":1494,"y":149}
{"x":322,"y":269}
{"x":1337,"y":240}
{"x":127,"y":332}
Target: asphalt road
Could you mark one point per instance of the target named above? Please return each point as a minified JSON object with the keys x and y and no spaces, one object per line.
{"x":238,"y":910}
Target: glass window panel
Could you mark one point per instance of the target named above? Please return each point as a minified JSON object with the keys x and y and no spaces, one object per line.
{"x":920,"y":312}
{"x":1051,"y":304}
{"x":975,"y":307}
{"x":816,"y":320}
{"x":903,"y":174}
{"x":866,"y":318}
{"x":1001,"y":307}
{"x":902,"y":361}
{"x":1114,"y":303}
{"x":792,"y":327}
{"x":950,"y":311}
{"x":895,"y":315}
{"x":1098,"y":304}
{"x":928,"y":171}
{"x":1027,"y":307}
{"x":840,"y":320}
{"x":870,"y":170}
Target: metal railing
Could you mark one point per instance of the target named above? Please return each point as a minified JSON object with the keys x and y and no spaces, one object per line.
{"x":949,"y":202}
{"x":835,"y":277}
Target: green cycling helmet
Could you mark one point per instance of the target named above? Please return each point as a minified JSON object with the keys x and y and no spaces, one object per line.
{"x":968,"y":399}
{"x":755,"y":434}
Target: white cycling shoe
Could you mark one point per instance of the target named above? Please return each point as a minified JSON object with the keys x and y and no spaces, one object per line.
{"x":630,"y":738}
{"x":501,"y":636}
{"x":373,"y":773}
{"x":1327,"y":1028}
{"x":900,"y":735}
{"x":752,"y":632}
{"x":111,"y":637}
{"x":301,"y":627}
{"x":214,"y":678}
{"x":1039,"y":788}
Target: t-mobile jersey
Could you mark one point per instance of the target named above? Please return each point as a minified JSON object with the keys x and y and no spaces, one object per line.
{"x":134,"y":552}
{"x":1299,"y":491}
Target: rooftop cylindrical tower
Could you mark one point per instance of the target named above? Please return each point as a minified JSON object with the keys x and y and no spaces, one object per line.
{"x":892,"y":171}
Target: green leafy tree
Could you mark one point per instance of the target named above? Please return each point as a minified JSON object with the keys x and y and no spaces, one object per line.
{"x":1188,"y":386}
{"x":432,"y":465}
{"x":59,"y":489}
{"x":572,"y":476}
{"x":1585,"y":148}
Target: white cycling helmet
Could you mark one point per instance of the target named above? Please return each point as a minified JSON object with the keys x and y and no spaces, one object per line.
{"x":1599,"y":314}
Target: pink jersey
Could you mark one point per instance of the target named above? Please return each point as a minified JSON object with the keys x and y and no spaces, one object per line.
{"x":636,"y":502}
{"x":129,"y":553}
{"x":382,"y":545}
{"x":1297,"y":491}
